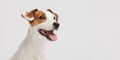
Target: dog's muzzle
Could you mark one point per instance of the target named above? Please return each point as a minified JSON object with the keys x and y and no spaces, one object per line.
{"x":56,"y":25}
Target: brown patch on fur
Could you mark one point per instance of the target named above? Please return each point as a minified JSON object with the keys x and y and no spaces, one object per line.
{"x":36,"y":14}
{"x":53,"y":13}
{"x":29,"y":15}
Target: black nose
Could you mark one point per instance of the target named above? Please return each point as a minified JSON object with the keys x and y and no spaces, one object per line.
{"x":56,"y":25}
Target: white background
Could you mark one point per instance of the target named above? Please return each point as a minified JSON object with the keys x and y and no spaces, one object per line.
{"x":89,"y":30}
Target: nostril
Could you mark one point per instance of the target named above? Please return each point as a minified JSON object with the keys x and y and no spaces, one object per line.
{"x":56,"y":25}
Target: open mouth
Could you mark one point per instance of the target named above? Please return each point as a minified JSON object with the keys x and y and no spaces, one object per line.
{"x":48,"y":34}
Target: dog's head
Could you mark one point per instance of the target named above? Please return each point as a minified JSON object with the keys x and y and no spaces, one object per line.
{"x":45,"y":21}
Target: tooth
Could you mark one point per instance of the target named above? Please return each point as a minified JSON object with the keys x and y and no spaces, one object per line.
{"x":44,"y":32}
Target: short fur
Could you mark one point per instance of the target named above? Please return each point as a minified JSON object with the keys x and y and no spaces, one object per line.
{"x":32,"y":47}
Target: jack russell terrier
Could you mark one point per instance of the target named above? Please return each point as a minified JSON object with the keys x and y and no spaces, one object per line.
{"x":42,"y":26}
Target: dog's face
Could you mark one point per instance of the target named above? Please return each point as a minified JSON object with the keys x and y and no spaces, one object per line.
{"x":45,"y":21}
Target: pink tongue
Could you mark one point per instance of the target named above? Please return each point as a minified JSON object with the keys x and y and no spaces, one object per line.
{"x":53,"y":37}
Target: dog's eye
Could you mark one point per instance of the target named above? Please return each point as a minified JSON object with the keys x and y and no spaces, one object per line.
{"x":54,"y":17}
{"x":42,"y":17}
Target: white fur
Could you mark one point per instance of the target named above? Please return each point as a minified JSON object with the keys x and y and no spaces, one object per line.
{"x":49,"y":22}
{"x":32,"y":48}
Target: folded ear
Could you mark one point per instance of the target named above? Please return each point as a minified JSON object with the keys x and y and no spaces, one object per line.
{"x":28,"y":16}
{"x":53,"y":13}
{"x":50,"y":10}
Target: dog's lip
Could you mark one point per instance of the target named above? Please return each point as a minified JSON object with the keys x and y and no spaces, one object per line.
{"x":48,"y":34}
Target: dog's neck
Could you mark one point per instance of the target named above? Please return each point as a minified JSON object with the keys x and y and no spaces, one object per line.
{"x":35,"y":35}
{"x":34,"y":41}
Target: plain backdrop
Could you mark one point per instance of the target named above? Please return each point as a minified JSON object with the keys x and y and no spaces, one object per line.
{"x":89,"y":30}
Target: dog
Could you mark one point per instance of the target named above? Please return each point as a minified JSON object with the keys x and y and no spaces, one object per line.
{"x":41,"y":29}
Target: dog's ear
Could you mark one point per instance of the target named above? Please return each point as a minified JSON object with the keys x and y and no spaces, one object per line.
{"x":28,"y":16}
{"x":53,"y":13}
{"x":50,"y":10}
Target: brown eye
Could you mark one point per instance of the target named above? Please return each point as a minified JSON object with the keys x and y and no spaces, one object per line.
{"x":54,"y":17}
{"x":42,"y":17}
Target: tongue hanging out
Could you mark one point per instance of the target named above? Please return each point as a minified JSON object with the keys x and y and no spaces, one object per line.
{"x":51,"y":35}
{"x":48,"y":34}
